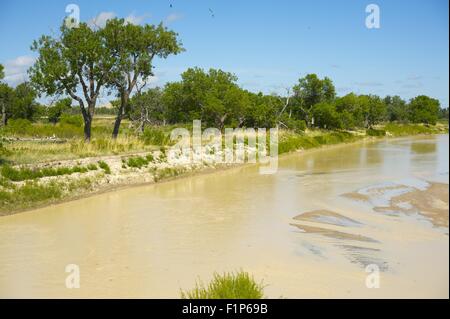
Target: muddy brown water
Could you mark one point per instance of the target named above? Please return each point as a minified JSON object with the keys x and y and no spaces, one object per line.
{"x":151,"y":241}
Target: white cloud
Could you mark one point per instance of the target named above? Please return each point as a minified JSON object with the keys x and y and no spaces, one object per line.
{"x":134,"y":19}
{"x":100,"y":20}
{"x":16,"y":69}
{"x":173,"y":17}
{"x":368,"y":84}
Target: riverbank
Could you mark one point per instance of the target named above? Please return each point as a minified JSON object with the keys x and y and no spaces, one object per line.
{"x":26,"y":187}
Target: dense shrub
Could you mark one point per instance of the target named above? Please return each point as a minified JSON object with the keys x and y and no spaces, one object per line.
{"x":374,"y":132}
{"x":75,"y":120}
{"x":155,"y":136}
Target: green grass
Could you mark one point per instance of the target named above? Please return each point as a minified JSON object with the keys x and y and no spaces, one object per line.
{"x":104,"y":166}
{"x":23,"y":173}
{"x":291,"y":142}
{"x":155,"y":136}
{"x":139,"y":161}
{"x":239,"y":285}
{"x":375,"y":132}
{"x":68,"y":128}
{"x":168,"y":172}
{"x":92,"y":167}
{"x":414,"y":129}
{"x":31,"y":193}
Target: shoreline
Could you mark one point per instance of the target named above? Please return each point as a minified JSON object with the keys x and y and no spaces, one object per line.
{"x":204,"y":170}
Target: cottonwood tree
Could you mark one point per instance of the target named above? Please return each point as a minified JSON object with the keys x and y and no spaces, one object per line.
{"x":77,"y":64}
{"x":424,"y":109}
{"x":147,"y":108}
{"x":397,"y":109}
{"x":23,"y":104}
{"x":353,"y":109}
{"x":213,"y":96}
{"x":55,"y":111}
{"x":376,"y":111}
{"x":309,"y":91}
{"x":6,"y":99}
{"x":3,"y":95}
{"x":134,"y":48}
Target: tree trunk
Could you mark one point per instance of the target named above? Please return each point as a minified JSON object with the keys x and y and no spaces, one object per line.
{"x":88,"y":115}
{"x":120,"y":113}
{"x":117,"y":122}
{"x":4,"y":117}
{"x":87,"y":129}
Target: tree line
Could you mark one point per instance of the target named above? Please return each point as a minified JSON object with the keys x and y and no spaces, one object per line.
{"x":118,"y":58}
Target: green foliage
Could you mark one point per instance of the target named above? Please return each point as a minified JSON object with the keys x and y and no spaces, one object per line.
{"x":213,"y":96}
{"x":238,"y":285}
{"x":443,"y":114}
{"x":134,"y":47}
{"x":309,"y":91}
{"x":74,"y":120}
{"x":23,"y":104}
{"x":155,"y":136}
{"x":297,"y":126}
{"x":397,"y":109}
{"x":326,"y":116}
{"x":376,"y":112}
{"x":19,"y":126}
{"x":55,"y":112}
{"x":312,"y":90}
{"x":148,"y":108}
{"x":18,"y":103}
{"x":424,"y":109}
{"x":104,"y":166}
{"x":262,"y":111}
{"x":76,"y":58}
{"x":6,"y":101}
{"x":352,"y":109}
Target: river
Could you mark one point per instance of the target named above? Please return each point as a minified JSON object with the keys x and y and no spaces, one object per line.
{"x":151,"y":241}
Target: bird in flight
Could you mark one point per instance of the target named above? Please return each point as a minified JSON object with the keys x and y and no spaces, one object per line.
{"x":212,"y":12}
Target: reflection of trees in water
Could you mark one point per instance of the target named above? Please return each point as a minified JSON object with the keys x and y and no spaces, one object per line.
{"x":423,"y":148}
{"x":372,"y":156}
{"x":327,"y":160}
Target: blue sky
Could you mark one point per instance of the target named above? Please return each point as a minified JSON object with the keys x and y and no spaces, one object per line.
{"x":268,"y":44}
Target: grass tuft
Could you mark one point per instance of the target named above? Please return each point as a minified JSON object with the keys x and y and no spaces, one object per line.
{"x":104,"y":166}
{"x":239,"y":285}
